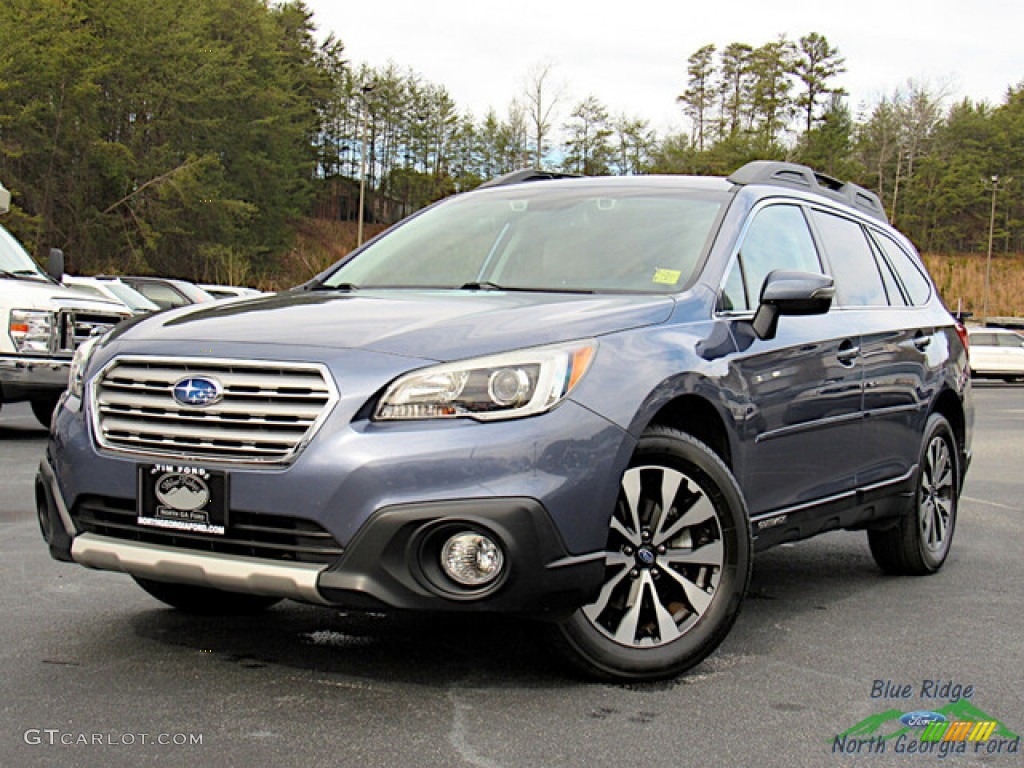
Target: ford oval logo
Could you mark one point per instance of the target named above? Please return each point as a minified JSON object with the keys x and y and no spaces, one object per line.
{"x":198,"y":391}
{"x":922,"y":718}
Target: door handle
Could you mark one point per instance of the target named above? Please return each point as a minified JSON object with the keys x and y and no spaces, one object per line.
{"x":847,"y":354}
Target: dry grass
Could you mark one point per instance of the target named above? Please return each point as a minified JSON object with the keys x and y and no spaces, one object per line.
{"x":318,"y":244}
{"x":961,"y":281}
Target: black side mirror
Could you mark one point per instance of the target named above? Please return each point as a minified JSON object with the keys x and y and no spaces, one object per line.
{"x":55,"y":267}
{"x":791,"y":293}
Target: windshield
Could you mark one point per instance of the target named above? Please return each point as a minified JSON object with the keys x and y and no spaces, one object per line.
{"x":130,"y":296}
{"x":541,"y":237}
{"x":14,"y":260}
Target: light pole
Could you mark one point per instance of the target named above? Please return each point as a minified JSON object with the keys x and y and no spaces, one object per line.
{"x":362,"y":174}
{"x":991,"y":233}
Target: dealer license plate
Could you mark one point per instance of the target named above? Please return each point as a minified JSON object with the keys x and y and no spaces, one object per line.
{"x":183,"y":498}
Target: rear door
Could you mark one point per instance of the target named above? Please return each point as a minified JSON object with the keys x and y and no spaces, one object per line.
{"x":800,"y":437}
{"x":894,"y":348}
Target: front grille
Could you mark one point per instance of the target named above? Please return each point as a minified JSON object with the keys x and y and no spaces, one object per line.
{"x":268,"y":411}
{"x":75,"y":326}
{"x":271,"y":537}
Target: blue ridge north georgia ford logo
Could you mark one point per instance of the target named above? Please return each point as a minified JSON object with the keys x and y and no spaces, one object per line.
{"x":198,"y":391}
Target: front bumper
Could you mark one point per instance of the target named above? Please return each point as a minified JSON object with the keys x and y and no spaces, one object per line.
{"x":26,"y":378}
{"x":391,"y":563}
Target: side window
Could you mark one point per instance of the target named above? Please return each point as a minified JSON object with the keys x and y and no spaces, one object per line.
{"x":917,"y":285}
{"x":161,"y":295}
{"x":858,"y":281}
{"x":777,"y":238}
{"x":897,"y":298}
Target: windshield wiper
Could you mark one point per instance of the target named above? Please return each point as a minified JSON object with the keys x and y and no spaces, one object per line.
{"x":489,"y":286}
{"x":22,"y":274}
{"x":340,"y":287}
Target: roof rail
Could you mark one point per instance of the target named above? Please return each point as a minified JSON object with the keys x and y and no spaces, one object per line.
{"x":526,"y":174}
{"x":809,"y":180}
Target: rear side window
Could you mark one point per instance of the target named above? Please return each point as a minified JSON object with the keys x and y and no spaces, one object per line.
{"x":161,"y":295}
{"x":777,"y":238}
{"x":917,"y":285}
{"x":858,"y":281}
{"x":897,"y":296}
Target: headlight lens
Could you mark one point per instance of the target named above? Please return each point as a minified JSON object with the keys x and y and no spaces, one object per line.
{"x":31,"y":330}
{"x":76,"y":377}
{"x":506,"y":386}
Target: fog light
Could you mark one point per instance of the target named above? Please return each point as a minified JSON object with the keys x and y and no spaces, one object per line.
{"x":471,"y":559}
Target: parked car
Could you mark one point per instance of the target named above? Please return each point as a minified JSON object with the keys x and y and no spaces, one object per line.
{"x":997,"y":353}
{"x":229,"y":291}
{"x":167,"y":292}
{"x":111,"y":289}
{"x":43,"y":323}
{"x":584,"y":400}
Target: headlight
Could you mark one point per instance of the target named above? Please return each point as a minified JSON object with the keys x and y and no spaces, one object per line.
{"x":76,"y":377}
{"x":506,"y":386}
{"x":31,"y":330}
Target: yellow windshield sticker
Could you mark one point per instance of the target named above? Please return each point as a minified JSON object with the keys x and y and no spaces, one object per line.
{"x":667,"y":276}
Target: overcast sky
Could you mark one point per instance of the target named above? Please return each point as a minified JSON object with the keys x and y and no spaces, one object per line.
{"x":632,"y":55}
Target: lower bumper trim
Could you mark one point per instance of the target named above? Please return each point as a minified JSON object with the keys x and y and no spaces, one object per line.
{"x":234,"y":573}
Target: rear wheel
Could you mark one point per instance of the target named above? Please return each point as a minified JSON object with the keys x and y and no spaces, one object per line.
{"x":677,"y":565}
{"x":919,"y":543}
{"x":205,"y":601}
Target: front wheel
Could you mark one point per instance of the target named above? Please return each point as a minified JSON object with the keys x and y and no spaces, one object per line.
{"x":919,"y":543}
{"x":43,"y":409}
{"x":677,"y":565}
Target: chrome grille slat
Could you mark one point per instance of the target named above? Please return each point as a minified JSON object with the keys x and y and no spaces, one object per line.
{"x":116,"y":398}
{"x":257,"y":380}
{"x":269,"y":411}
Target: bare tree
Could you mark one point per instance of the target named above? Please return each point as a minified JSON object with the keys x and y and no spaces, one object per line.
{"x":542,"y":98}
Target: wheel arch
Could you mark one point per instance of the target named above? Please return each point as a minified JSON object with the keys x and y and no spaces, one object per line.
{"x":949,"y":406}
{"x":696,"y":416}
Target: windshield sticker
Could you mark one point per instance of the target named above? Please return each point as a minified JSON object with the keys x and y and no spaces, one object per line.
{"x":667,"y":276}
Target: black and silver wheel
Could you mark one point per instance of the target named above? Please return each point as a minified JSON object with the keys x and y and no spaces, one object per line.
{"x":205,"y":601}
{"x":919,"y":543}
{"x":677,"y":565}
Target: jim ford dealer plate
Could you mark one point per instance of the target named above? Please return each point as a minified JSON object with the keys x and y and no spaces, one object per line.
{"x":183,"y":498}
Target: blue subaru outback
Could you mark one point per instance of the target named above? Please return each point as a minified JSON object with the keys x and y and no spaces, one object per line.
{"x":585,"y":400}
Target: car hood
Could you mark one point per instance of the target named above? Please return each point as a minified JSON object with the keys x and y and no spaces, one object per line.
{"x":435,"y":325}
{"x":38,"y":294}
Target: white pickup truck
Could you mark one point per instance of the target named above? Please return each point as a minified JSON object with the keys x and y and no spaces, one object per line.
{"x":41,"y":323}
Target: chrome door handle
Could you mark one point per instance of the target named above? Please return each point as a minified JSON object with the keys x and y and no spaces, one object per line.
{"x":847,"y":355}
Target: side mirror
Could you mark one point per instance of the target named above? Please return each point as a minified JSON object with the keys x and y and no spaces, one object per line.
{"x":791,"y":293}
{"x":5,"y":200}
{"x":55,"y":267}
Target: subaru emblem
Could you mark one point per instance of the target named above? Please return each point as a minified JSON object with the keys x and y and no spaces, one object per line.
{"x":198,"y":391}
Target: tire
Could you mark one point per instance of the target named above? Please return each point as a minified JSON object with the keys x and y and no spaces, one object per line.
{"x":43,"y":410}
{"x":919,"y":543}
{"x":674,"y":580}
{"x":205,"y":601}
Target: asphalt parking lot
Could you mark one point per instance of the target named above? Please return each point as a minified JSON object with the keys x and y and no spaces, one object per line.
{"x":93,"y":672}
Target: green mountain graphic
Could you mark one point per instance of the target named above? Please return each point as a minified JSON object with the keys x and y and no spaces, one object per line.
{"x":877,"y":725}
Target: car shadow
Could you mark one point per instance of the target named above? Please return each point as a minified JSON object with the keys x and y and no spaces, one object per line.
{"x":437,"y":649}
{"x":419,"y":649}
